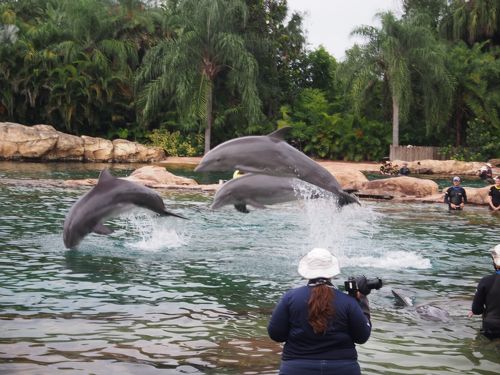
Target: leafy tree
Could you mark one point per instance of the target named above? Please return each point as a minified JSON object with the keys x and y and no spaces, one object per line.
{"x":477,"y":92}
{"x":186,"y":68}
{"x":401,"y":54}
{"x":320,"y":132}
{"x":472,"y":21}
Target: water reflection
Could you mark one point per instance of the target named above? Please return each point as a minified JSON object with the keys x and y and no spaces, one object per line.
{"x":164,"y":296}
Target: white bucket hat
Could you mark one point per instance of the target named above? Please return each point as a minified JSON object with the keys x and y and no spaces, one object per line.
{"x":495,"y":253}
{"x":318,"y":263}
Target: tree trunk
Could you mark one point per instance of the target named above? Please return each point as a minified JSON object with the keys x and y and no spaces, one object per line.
{"x":395,"y":121}
{"x":208,"y":127}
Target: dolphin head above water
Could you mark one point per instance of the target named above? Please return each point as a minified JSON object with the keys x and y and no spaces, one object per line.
{"x":110,"y":197}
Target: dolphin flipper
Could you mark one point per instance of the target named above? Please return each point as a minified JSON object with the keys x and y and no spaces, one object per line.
{"x":168,"y":213}
{"x":102,"y":229}
{"x":241,"y":207}
{"x":345,"y":199}
{"x":401,"y":298}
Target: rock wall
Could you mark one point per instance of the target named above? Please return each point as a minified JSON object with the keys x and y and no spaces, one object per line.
{"x":44,"y":143}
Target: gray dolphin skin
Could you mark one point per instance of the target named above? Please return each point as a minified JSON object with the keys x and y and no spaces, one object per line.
{"x":271,"y":155}
{"x":427,"y":312}
{"x":110,"y":197}
{"x":256,"y":190}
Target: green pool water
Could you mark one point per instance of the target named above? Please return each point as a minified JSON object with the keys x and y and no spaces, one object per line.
{"x":169,"y":296}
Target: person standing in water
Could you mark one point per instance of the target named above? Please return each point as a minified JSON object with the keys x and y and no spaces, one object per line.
{"x":487,"y":299}
{"x":319,"y":324}
{"x":494,"y":195}
{"x":455,"y":196}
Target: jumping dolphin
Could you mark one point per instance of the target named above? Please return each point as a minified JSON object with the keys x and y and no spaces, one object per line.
{"x":255,"y":190}
{"x":110,"y":197}
{"x":427,"y":312}
{"x":271,"y":155}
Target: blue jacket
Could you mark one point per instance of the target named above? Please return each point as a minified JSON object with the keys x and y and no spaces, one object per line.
{"x":289,"y":324}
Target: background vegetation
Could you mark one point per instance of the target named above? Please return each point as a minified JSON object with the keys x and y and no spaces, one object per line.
{"x":190,"y":74}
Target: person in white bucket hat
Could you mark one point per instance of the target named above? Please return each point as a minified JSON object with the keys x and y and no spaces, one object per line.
{"x":487,"y":299}
{"x":319,"y":324}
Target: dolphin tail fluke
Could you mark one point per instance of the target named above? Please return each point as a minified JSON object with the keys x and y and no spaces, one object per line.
{"x":344,"y":199}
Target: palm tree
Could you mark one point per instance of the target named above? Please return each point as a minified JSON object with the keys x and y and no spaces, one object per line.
{"x":402,"y":54}
{"x":477,"y":92}
{"x":472,"y":21}
{"x":186,"y":67}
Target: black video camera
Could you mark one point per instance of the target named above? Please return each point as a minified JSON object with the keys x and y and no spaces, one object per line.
{"x":361,"y":284}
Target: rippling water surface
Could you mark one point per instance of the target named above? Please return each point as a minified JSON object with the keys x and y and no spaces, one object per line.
{"x":169,"y":296}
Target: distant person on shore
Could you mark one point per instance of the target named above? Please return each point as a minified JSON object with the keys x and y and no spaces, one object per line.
{"x":455,"y":196}
{"x":404,"y":170}
{"x":487,"y":299}
{"x":486,"y":173}
{"x":494,"y":195}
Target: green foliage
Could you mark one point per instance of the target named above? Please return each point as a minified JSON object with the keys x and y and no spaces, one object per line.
{"x":322,"y":134}
{"x":174,"y":144}
{"x":186,"y":68}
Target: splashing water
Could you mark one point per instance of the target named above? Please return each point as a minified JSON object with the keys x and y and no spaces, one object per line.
{"x":152,"y":233}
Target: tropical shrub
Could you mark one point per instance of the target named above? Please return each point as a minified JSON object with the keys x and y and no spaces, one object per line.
{"x":175,"y":144}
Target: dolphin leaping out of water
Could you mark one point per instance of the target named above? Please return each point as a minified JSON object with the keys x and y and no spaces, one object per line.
{"x":271,"y":155}
{"x":110,"y":197}
{"x":256,"y":190}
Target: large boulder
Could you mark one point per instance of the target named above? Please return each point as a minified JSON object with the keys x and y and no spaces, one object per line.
{"x":445,"y":167}
{"x":126,"y":151}
{"x":97,"y":149}
{"x":68,"y":147}
{"x":156,"y":176}
{"x":401,"y":187}
{"x":477,"y":195}
{"x":24,"y":142}
{"x":43,"y":142}
{"x":349,"y":178}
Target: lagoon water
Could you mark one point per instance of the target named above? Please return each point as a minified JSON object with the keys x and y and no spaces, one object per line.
{"x":169,"y":296}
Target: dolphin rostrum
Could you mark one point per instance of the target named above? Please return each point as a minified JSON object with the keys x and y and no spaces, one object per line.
{"x":255,"y":190}
{"x":110,"y":197}
{"x":271,"y":155}
{"x":427,"y":312}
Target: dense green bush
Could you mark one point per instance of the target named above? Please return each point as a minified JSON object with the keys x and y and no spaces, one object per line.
{"x":174,"y":144}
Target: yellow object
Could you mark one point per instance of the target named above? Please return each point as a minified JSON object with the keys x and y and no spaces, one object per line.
{"x":237,"y":173}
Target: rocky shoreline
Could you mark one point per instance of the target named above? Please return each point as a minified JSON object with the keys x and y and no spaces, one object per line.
{"x":43,"y":143}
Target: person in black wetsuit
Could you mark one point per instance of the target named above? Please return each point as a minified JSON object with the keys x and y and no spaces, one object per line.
{"x":487,"y":299}
{"x":494,"y":195}
{"x":455,"y":195}
{"x":404,"y":171}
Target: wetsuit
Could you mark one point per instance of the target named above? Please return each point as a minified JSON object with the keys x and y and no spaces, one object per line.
{"x":495,"y":195}
{"x":455,"y":195}
{"x":404,"y":171}
{"x":487,"y":302}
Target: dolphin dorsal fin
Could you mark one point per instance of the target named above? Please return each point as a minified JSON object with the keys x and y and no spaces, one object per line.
{"x":105,"y":175}
{"x":281,"y":133}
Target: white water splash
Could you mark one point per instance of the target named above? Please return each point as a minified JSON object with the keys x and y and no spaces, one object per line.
{"x":351,"y":232}
{"x":394,"y":260}
{"x":331,"y":227}
{"x":152,"y":233}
